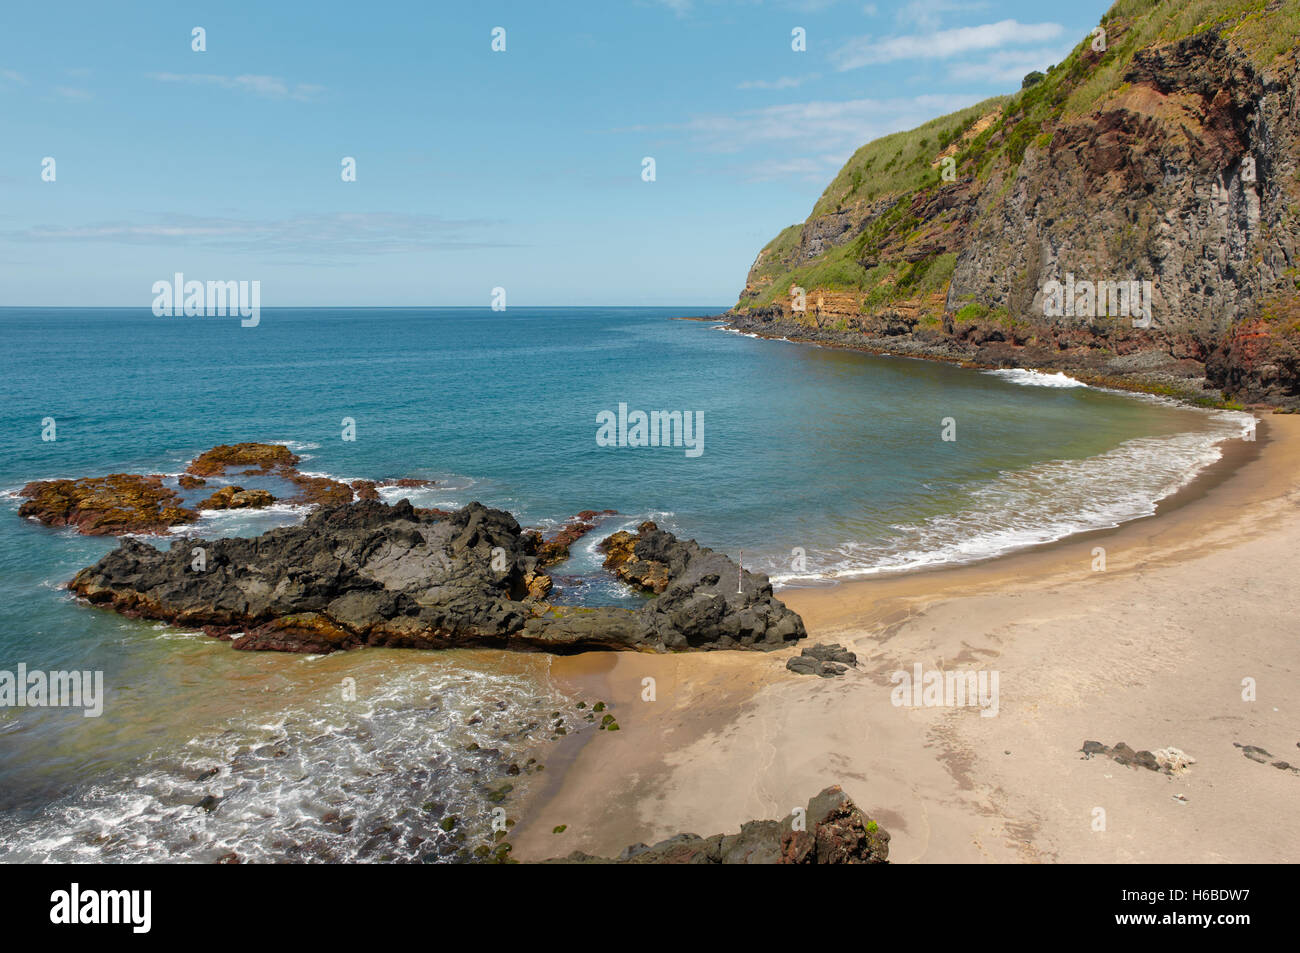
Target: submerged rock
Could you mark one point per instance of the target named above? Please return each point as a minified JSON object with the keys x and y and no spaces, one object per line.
{"x":320,"y":491}
{"x":833,"y":831}
{"x":371,"y":574}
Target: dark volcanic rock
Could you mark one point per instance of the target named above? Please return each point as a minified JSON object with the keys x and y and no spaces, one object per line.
{"x":834,"y":831}
{"x":1253,"y":752}
{"x":705,"y":599}
{"x":349,"y":575}
{"x":824,"y":660}
{"x":371,"y":574}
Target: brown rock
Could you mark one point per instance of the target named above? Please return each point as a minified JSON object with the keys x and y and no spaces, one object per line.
{"x":649,"y":575}
{"x":263,"y":456}
{"x":556,"y":548}
{"x":837,"y":832}
{"x":237,"y":498}
{"x":365,"y":489}
{"x":103,"y":506}
{"x":321,"y":490}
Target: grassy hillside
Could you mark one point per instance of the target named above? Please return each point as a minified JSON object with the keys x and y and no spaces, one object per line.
{"x":872,"y":231}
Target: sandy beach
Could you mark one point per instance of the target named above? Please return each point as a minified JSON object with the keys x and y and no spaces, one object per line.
{"x":1152,"y":651}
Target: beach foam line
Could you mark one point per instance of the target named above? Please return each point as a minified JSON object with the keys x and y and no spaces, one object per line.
{"x":1031,"y":378}
{"x":297,"y":446}
{"x":1042,"y":504}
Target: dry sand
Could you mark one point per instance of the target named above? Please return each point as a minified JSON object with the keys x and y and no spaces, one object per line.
{"x":1152,"y":652}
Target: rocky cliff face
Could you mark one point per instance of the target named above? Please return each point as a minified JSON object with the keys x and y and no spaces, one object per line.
{"x":1171,"y":157}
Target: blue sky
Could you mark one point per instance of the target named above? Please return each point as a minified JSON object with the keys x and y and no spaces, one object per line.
{"x":475,"y":169}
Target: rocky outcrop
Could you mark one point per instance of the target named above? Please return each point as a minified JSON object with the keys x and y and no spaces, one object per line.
{"x":131,"y":503}
{"x":555,"y":548}
{"x":824,"y":660}
{"x":317,"y":490}
{"x":644,"y":572}
{"x":237,"y":498}
{"x":833,"y":830}
{"x":1163,"y":760}
{"x":1164,"y":158}
{"x":105,"y":506}
{"x":259,"y":456}
{"x":704,"y":599}
{"x":371,"y":574}
{"x":369,"y":489}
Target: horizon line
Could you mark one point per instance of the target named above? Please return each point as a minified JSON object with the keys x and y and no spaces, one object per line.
{"x":351,"y":307}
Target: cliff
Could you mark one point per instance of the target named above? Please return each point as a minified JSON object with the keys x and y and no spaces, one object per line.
{"x":1131,"y":216}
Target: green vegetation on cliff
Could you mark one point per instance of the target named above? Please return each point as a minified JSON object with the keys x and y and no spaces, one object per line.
{"x":877,"y":231}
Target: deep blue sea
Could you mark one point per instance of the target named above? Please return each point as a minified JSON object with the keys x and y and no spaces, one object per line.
{"x":817,"y":464}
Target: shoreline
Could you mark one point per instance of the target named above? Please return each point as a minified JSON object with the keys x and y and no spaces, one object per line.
{"x":1129,"y":654}
{"x":1156,"y":385}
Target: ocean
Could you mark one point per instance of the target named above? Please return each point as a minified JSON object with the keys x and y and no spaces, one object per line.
{"x":816,"y":464}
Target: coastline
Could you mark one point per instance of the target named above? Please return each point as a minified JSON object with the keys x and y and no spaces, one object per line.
{"x":1193,"y":390}
{"x":1152,"y":652}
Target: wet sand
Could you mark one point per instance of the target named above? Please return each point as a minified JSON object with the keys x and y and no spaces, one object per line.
{"x":1151,"y":651}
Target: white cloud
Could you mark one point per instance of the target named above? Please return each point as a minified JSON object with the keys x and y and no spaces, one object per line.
{"x":268,"y":87}
{"x":785,"y":82}
{"x":74,"y":94}
{"x":354,"y":233}
{"x":815,"y":169}
{"x":679,"y":7}
{"x":1007,"y":66}
{"x":930,"y":14}
{"x":823,"y":125}
{"x":13,"y":76}
{"x":866,"y":50}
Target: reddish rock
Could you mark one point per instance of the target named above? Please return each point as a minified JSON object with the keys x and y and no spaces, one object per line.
{"x":556,"y":548}
{"x":365,"y":489}
{"x":264,"y":457}
{"x":104,"y":506}
{"x":1259,"y":360}
{"x":320,"y":490}
{"x":237,"y":498}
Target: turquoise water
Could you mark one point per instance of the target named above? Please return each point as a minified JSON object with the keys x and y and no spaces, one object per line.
{"x":834,"y":455}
